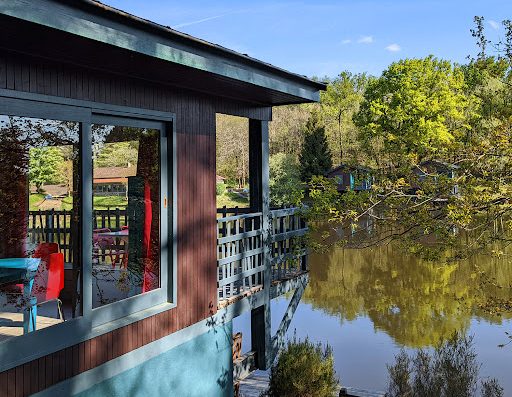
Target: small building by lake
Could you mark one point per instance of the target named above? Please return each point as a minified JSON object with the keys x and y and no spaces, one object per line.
{"x":351,"y":177}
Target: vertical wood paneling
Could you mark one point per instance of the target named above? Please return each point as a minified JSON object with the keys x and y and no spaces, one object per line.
{"x":3,"y":384}
{"x":196,"y":283}
{"x":3,"y":73}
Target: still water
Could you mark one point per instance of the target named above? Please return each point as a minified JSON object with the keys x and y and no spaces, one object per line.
{"x":368,"y":304}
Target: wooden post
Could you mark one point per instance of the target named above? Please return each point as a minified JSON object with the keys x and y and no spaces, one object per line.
{"x":261,"y":338}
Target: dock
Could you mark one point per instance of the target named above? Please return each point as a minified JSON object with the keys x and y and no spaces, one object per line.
{"x":257,"y":382}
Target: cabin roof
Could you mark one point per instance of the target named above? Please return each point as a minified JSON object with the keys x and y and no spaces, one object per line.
{"x":114,"y":172}
{"x":348,"y":167}
{"x":439,"y":164}
{"x":176,"y":57}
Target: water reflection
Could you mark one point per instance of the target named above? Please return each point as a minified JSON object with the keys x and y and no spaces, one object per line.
{"x":417,"y":303}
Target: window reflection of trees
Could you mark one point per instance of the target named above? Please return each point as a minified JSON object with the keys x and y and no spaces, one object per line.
{"x":24,"y":142}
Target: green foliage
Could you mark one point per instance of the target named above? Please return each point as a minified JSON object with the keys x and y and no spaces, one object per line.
{"x":44,"y":166}
{"x":285,"y":185}
{"x":232,"y":147}
{"x":315,"y":157}
{"x":220,"y":188}
{"x":450,"y":371}
{"x":415,"y":110}
{"x":231,"y":200}
{"x":339,"y":103}
{"x":34,"y":200}
{"x":117,"y":154}
{"x":303,"y":369}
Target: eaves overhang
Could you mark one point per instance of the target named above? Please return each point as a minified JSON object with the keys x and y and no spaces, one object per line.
{"x":105,"y":25}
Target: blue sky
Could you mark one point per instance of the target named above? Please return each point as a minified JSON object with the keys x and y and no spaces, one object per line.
{"x":325,"y":37}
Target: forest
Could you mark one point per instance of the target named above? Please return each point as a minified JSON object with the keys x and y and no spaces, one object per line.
{"x":435,"y":137}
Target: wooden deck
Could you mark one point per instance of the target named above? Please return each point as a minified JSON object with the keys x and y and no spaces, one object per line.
{"x":11,"y":324}
{"x":257,"y":382}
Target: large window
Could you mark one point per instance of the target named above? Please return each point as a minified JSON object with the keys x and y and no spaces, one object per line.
{"x":85,"y":220}
{"x":40,"y":265}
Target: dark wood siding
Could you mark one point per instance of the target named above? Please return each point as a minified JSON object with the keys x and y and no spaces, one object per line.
{"x":196,"y":284}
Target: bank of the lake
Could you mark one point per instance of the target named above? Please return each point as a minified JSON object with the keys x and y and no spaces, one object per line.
{"x":370,"y":303}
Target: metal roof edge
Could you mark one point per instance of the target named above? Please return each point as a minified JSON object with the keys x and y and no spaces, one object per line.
{"x":96,"y":21}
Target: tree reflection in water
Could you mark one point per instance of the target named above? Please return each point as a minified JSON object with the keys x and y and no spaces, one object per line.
{"x":418,"y":303}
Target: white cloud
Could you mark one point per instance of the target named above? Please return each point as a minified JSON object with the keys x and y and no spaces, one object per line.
{"x":393,"y":47}
{"x":346,"y":41}
{"x":495,"y":25}
{"x":365,"y":40}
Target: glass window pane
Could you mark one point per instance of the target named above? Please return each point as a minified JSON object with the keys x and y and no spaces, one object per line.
{"x":39,"y":224}
{"x":126,"y":213}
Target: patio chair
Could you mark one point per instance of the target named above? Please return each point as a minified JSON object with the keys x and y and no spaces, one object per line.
{"x":48,"y":281}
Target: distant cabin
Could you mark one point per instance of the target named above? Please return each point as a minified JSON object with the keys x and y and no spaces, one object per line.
{"x":351,"y":177}
{"x":112,"y":181}
{"x":436,"y":168}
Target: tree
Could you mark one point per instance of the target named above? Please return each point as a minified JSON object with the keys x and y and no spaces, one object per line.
{"x":339,"y":103}
{"x":450,"y":371}
{"x":233,"y":148}
{"x":117,"y":154}
{"x":414,"y":111}
{"x":44,"y":166}
{"x":285,"y":185}
{"x":286,"y":130}
{"x":315,"y":156}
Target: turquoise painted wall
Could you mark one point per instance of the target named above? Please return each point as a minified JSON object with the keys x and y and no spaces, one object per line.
{"x":200,"y":367}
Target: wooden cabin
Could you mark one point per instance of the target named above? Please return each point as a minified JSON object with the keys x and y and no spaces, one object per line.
{"x":134,"y":299}
{"x":351,"y":177}
{"x":434,"y":169}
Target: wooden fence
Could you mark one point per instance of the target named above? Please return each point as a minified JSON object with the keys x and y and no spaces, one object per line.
{"x":56,"y":226}
{"x":240,"y":250}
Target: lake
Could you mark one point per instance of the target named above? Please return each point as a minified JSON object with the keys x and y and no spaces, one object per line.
{"x":369,"y":303}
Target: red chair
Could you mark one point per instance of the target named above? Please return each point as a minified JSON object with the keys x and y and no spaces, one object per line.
{"x":49,"y":280}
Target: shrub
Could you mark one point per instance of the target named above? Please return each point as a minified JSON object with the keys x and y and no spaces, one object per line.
{"x":303,"y":369}
{"x":220,"y":188}
{"x":450,"y":371}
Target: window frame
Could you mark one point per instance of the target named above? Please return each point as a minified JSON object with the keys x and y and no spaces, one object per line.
{"x":125,"y":307}
{"x":93,"y":322}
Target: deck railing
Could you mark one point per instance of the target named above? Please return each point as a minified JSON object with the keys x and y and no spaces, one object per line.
{"x":240,"y":250}
{"x":239,"y":243}
{"x":56,"y":226}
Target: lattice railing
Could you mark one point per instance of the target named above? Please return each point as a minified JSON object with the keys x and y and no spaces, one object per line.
{"x":240,"y":250}
{"x":288,"y":247}
{"x":239,"y":254}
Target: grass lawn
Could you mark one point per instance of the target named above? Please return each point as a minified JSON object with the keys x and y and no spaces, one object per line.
{"x":100,"y":203}
{"x":35,"y":199}
{"x":231,"y":200}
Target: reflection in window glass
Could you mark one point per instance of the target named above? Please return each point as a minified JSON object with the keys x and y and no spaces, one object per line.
{"x":126,"y":213}
{"x":39,"y":202}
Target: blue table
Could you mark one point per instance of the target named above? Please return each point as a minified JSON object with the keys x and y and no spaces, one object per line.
{"x":23,"y":270}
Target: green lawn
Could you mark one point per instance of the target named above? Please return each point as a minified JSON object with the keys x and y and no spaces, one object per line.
{"x":100,"y":203}
{"x":231,"y":200}
{"x":35,"y":199}
{"x":104,"y":202}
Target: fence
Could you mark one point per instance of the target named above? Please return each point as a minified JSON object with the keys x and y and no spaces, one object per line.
{"x":57,"y":225}
{"x":240,"y":250}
